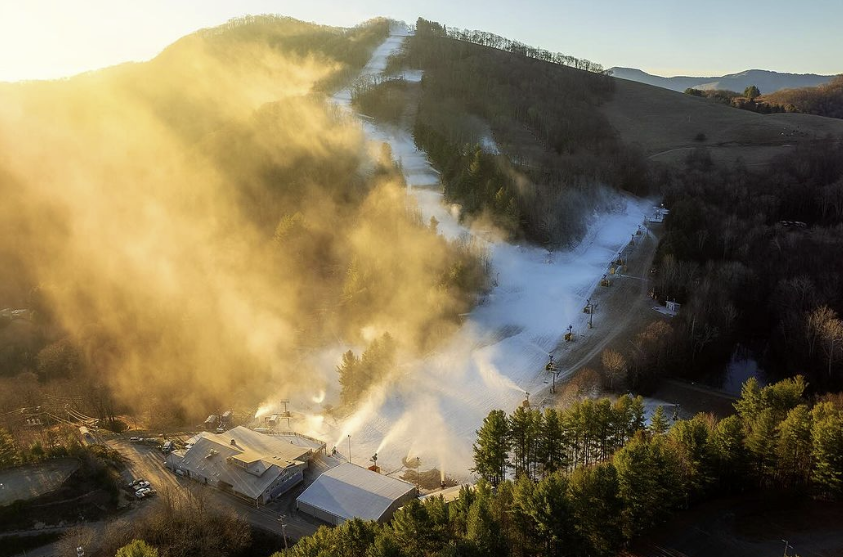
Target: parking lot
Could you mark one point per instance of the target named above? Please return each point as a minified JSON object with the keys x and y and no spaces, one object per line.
{"x":147,"y":462}
{"x":27,"y":482}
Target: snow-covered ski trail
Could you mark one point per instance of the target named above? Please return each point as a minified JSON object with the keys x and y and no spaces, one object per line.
{"x":499,"y":353}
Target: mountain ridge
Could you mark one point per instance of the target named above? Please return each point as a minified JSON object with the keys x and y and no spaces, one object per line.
{"x":767,"y":81}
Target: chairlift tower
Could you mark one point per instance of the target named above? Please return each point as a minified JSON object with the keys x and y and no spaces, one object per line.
{"x":551,"y":368}
{"x":286,"y":413}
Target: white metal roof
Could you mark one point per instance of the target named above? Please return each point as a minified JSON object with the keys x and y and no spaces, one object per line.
{"x":350,"y":491}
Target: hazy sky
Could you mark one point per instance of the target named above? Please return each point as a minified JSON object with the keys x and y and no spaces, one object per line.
{"x":54,"y":38}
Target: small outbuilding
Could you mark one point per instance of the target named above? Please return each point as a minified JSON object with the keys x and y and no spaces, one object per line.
{"x":350,"y":491}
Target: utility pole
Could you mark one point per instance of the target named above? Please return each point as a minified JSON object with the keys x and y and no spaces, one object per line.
{"x":281,"y":518}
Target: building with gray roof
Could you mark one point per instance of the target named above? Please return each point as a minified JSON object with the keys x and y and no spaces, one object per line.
{"x":251,"y":465}
{"x":350,"y":491}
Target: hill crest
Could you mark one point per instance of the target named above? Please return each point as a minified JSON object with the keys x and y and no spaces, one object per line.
{"x":767,"y":80}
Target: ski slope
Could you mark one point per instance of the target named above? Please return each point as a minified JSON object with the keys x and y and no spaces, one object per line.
{"x":434,"y":408}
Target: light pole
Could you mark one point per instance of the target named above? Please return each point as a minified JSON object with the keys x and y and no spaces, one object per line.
{"x":349,"y":447}
{"x":786,"y":545}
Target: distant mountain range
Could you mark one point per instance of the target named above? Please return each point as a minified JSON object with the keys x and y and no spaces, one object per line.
{"x":766,"y":81}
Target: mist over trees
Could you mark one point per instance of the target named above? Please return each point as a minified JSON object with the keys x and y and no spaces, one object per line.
{"x":187,"y":229}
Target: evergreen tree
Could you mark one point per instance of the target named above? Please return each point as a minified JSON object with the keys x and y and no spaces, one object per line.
{"x":551,"y":449}
{"x":524,"y":426}
{"x":827,"y":437}
{"x":349,"y":377}
{"x":691,"y":438}
{"x":794,"y":448}
{"x":9,"y":455}
{"x":649,"y":479}
{"x":659,"y":423}
{"x":731,"y":457}
{"x":482,"y":528}
{"x":596,"y":508}
{"x":491,"y":450}
{"x":761,"y":442}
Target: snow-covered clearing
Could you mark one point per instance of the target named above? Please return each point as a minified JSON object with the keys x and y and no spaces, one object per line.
{"x":434,"y":408}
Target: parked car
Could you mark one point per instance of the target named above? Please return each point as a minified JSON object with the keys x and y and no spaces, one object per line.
{"x":135,"y":439}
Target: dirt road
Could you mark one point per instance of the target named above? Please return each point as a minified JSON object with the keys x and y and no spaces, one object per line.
{"x":620,"y":309}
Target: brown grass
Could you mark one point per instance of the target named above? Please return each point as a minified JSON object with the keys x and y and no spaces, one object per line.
{"x":665,"y":124}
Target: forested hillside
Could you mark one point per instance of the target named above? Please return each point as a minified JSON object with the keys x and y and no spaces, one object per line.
{"x":187,"y":230}
{"x":515,"y":131}
{"x":592,"y":478}
{"x":753,"y":256}
{"x":824,"y":100}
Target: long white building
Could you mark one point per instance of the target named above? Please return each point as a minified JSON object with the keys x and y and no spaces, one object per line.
{"x":350,"y":491}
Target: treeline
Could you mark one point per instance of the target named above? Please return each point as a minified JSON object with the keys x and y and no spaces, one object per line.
{"x":59,"y":442}
{"x":477,"y":102}
{"x":823,"y":100}
{"x":485,"y":38}
{"x":777,"y":440}
{"x":744,"y":101}
{"x":538,"y":444}
{"x":752,"y":255}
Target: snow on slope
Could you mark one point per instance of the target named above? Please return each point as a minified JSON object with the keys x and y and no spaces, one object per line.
{"x":434,"y":408}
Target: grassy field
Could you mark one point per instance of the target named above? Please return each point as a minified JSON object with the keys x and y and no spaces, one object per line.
{"x":667,"y":126}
